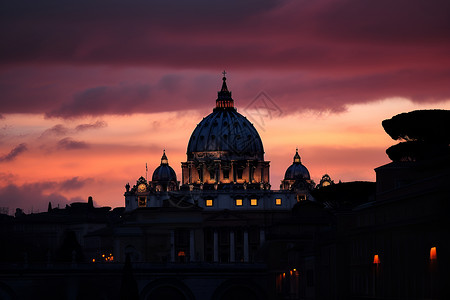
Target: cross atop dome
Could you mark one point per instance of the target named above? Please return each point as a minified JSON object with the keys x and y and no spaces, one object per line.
{"x":224,"y":99}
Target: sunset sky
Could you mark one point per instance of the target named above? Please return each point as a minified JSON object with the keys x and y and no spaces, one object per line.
{"x":92,"y":90}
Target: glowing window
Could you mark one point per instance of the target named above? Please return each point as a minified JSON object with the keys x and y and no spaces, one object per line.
{"x":253,"y":202}
{"x":301,"y":198}
{"x":209,"y":202}
{"x":433,"y":255}
{"x":181,"y":253}
{"x":238,"y":202}
{"x":278,"y":201}
{"x":142,"y":202}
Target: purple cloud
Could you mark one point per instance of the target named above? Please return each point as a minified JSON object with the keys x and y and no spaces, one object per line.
{"x":74,"y":183}
{"x":15,"y":196}
{"x":70,"y":144}
{"x":57,"y":130}
{"x":323,"y":55}
{"x":16,"y":151}
{"x":96,"y":125}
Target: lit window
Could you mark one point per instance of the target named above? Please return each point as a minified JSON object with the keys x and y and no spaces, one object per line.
{"x":433,"y":255}
{"x":181,"y":253}
{"x":142,"y":202}
{"x":209,"y":202}
{"x":278,"y":201}
{"x":238,"y":202}
{"x":253,"y":202}
{"x":301,"y":198}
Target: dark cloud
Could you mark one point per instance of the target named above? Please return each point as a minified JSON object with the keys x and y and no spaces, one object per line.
{"x":16,"y":151}
{"x":57,"y":130}
{"x":74,"y":183}
{"x":96,"y":125}
{"x":61,"y":130}
{"x":169,"y":93}
{"x":70,"y":144}
{"x":203,"y":34}
{"x":37,"y":195}
{"x":28,"y":197}
{"x":104,"y":100}
{"x":327,"y":54}
{"x":7,"y":177}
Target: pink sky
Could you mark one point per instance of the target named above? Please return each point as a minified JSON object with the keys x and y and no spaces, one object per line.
{"x":90,"y":92}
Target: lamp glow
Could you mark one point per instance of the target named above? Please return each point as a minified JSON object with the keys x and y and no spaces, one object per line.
{"x":376,"y":259}
{"x":433,"y":255}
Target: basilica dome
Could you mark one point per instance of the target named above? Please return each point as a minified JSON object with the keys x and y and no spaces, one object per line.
{"x":164,"y":172}
{"x":297,"y":170}
{"x":225,"y":133}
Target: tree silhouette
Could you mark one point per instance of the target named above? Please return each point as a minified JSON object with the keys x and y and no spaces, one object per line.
{"x":70,"y":249}
{"x":424,"y":134}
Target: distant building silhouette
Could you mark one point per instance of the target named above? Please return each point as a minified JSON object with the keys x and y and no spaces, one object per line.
{"x":221,"y":232}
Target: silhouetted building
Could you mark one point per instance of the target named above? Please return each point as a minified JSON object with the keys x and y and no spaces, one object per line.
{"x":223,"y":233}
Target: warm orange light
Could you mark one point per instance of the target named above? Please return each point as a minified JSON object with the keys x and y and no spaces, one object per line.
{"x":253,"y":202}
{"x":93,"y":260}
{"x":209,"y":202}
{"x":290,"y":272}
{"x":376,"y":259}
{"x":284,"y":275}
{"x":433,"y":253}
{"x":103,"y":255}
{"x":181,"y":253}
{"x":278,"y":201}
{"x":294,"y":270}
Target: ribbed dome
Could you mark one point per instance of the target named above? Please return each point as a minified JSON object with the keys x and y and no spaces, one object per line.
{"x":228,"y":131}
{"x":164,"y":172}
{"x":225,"y":133}
{"x":297,"y":170}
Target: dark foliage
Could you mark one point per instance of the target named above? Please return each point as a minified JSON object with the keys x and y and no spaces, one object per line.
{"x":416,"y":150}
{"x":420,"y":125}
{"x":426,"y":134}
{"x":70,"y":250}
{"x":345,"y":195}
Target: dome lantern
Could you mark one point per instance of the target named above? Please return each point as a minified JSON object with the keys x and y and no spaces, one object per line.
{"x":224,"y":100}
{"x":164,"y":160}
{"x":297,"y":159}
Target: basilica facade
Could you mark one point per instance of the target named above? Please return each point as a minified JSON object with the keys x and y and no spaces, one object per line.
{"x":224,"y":206}
{"x":225,"y":169}
{"x":221,"y":232}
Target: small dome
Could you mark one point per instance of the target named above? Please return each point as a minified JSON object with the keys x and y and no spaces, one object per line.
{"x":297,"y":170}
{"x":164,"y":172}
